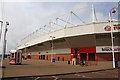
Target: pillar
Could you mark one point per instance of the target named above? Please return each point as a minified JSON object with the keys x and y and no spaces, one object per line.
{"x":96,"y":57}
{"x":87,"y":57}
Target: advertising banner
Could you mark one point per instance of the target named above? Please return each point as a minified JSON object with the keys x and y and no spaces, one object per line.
{"x":107,"y":49}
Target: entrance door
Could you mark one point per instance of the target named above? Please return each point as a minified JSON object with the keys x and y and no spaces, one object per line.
{"x":91,"y":56}
{"x":83,"y":56}
{"x":43,"y":57}
{"x":58,"y":58}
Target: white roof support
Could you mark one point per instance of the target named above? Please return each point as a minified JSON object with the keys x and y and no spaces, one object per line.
{"x":94,"y":18}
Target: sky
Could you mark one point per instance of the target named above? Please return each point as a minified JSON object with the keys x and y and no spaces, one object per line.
{"x":28,"y":16}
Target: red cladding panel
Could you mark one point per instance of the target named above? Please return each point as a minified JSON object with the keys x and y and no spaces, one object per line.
{"x":72,"y":51}
{"x":87,"y":50}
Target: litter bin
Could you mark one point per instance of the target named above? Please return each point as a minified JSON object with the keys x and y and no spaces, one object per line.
{"x":53,"y":60}
{"x":68,"y":61}
{"x":116,"y":64}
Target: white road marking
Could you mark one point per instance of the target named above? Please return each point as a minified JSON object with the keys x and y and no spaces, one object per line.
{"x":37,"y":78}
{"x":83,"y":76}
{"x":94,"y":72}
{"x":55,"y":77}
{"x":77,"y":75}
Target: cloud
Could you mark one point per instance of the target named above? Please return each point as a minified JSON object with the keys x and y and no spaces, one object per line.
{"x":26,"y":17}
{"x":61,"y":1}
{"x":101,"y":17}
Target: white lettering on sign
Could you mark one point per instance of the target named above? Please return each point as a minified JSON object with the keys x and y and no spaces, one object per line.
{"x":107,"y":49}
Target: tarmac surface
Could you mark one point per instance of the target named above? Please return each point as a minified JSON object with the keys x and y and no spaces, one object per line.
{"x":110,"y":74}
{"x":36,"y":69}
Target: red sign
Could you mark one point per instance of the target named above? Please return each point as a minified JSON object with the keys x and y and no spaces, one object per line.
{"x":108,"y":28}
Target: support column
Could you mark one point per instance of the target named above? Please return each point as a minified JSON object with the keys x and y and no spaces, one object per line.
{"x":95,"y":57}
{"x":87,"y":57}
{"x":78,"y":56}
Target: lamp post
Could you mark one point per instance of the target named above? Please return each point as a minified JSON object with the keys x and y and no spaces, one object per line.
{"x":1,"y":29}
{"x":52,"y":48}
{"x":25,"y":50}
{"x":113,"y":10}
{"x":4,"y":43}
{"x":6,"y":29}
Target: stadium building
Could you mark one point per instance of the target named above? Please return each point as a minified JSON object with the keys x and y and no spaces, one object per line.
{"x":96,"y":41}
{"x":90,"y":42}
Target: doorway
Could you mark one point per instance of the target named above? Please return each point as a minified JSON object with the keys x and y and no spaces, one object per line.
{"x":91,"y":56}
{"x":42,"y":57}
{"x":83,"y":56}
{"x":58,"y":58}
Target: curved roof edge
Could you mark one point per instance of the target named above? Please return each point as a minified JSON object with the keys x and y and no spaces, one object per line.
{"x":90,"y":28}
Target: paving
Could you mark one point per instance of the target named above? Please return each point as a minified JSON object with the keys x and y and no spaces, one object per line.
{"x":46,"y":68}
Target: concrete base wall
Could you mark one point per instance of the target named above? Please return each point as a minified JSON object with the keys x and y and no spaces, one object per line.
{"x":57,"y":57}
{"x":107,"y":56}
{"x":66,"y":57}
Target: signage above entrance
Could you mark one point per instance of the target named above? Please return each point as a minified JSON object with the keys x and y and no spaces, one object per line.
{"x":107,"y":49}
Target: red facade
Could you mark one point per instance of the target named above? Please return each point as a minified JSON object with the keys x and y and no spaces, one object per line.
{"x":86,"y":53}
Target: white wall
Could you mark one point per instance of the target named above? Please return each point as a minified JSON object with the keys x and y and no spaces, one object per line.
{"x":71,"y":31}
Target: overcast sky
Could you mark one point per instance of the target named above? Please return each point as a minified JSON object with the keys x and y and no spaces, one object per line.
{"x":26,"y":17}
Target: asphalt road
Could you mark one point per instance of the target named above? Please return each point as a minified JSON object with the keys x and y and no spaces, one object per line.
{"x":111,"y":74}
